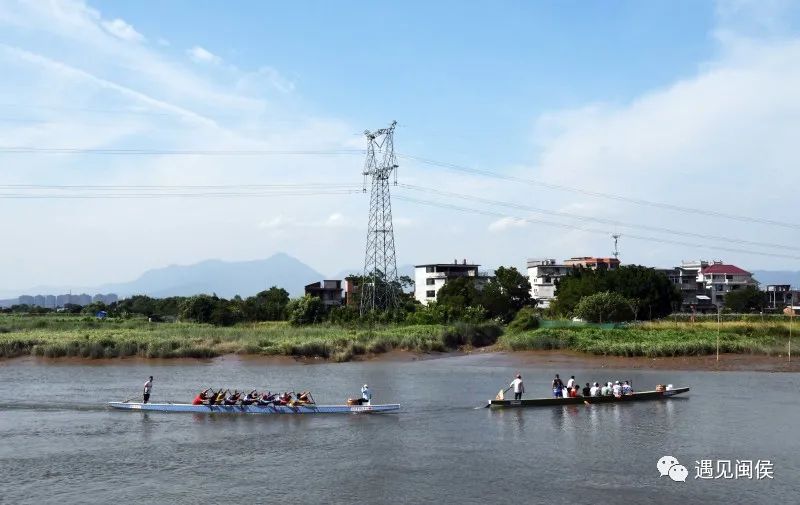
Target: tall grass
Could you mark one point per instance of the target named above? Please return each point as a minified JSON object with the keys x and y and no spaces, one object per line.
{"x":64,"y":335}
{"x":643,"y":341}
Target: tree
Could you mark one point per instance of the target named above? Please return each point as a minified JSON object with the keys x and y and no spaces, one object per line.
{"x":749,"y":299}
{"x":506,"y":293}
{"x":652,"y":291}
{"x":604,"y":307}
{"x":199,"y":308}
{"x":458,"y":294}
{"x":269,"y":305}
{"x":306,"y":310}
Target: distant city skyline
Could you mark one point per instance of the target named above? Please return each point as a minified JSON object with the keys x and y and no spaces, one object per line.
{"x":50,"y":301}
{"x":525,"y":129}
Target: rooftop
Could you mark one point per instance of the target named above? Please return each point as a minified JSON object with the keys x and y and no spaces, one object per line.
{"x":719,"y":268}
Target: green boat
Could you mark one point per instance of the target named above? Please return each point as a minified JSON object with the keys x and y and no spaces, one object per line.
{"x":582,"y":400}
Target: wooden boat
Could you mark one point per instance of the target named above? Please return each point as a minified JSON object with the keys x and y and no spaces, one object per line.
{"x":255,"y":409}
{"x":580,"y":400}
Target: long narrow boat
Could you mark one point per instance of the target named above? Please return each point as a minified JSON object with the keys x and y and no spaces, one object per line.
{"x":549,"y":402}
{"x":255,"y":409}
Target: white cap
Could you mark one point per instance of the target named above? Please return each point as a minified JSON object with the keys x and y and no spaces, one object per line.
{"x":365,"y":385}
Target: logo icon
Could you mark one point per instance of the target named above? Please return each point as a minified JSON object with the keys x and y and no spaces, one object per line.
{"x":669,"y":465}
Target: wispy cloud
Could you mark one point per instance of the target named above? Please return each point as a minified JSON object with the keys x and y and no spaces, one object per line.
{"x":507,"y":223}
{"x":120,"y":29}
{"x":201,"y":55}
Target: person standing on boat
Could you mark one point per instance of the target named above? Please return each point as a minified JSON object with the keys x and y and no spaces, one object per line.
{"x":366,"y":395}
{"x":148,"y":387}
{"x":517,"y":386}
{"x":558,"y":387}
{"x":571,"y":382}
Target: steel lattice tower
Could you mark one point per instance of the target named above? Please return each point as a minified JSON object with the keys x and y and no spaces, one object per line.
{"x":378,"y":288}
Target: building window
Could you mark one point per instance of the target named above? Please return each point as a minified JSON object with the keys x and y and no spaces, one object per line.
{"x":728,"y":277}
{"x":430,"y":270}
{"x":430,"y":294}
{"x":430,"y":282}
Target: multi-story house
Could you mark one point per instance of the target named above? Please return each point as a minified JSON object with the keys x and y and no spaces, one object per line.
{"x":719,"y":279}
{"x":592,"y":263}
{"x":544,"y":275}
{"x":429,"y":278}
{"x":329,"y":291}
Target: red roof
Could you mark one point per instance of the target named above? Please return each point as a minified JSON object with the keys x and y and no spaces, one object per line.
{"x":724,"y":269}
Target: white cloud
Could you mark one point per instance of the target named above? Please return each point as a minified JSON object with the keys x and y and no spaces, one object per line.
{"x":122,"y":30}
{"x":507,"y":223}
{"x":202,"y":55}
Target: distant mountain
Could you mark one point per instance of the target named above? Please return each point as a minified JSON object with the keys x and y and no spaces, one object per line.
{"x":777,"y":277}
{"x":225,"y":278}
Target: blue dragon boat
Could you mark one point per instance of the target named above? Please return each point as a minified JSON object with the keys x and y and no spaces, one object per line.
{"x":255,"y":409}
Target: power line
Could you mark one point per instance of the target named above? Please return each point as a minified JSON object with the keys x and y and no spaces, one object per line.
{"x":91,"y":196}
{"x":104,"y":187}
{"x":594,"y":219}
{"x":589,"y":230}
{"x":176,"y":152}
{"x":598,"y":194}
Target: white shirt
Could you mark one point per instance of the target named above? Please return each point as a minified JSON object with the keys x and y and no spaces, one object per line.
{"x":616,"y":389}
{"x":517,"y":385}
{"x":366,"y":394}
{"x":148,"y":386}
{"x":570,"y":383}
{"x":594,"y":391}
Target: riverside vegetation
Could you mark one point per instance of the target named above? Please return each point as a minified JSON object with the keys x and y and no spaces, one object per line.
{"x":55,"y":336}
{"x":501,"y":314}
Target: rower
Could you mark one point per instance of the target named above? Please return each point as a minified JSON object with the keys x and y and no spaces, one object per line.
{"x":616,"y":389}
{"x":517,"y":386}
{"x":266,"y":398}
{"x":200,"y":398}
{"x":220,"y":399}
{"x":366,"y":395}
{"x":626,"y":388}
{"x":232,"y":398}
{"x":305,"y":397}
{"x":587,"y":390}
{"x":571,"y":382}
{"x":595,"y":390}
{"x":250,"y":398}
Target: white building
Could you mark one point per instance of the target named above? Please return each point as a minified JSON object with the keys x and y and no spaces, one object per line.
{"x":720,"y":279}
{"x":429,"y":279}
{"x":543,"y":275}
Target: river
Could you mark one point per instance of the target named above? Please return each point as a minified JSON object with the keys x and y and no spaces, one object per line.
{"x":60,"y":444}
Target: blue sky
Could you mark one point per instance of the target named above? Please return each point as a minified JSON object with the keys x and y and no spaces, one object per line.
{"x":499,"y":66}
{"x":685,"y":103}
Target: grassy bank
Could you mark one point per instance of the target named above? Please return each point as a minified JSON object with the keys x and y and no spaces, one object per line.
{"x":63,"y":336}
{"x":661,"y":338}
{"x":60,"y":336}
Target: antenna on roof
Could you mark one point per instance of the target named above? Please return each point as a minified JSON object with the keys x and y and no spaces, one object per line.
{"x":616,"y":237}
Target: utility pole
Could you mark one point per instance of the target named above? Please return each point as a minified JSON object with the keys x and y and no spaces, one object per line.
{"x":616,"y":237}
{"x":378,"y":284}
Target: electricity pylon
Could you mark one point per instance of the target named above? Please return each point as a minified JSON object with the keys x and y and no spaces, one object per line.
{"x":378,"y":285}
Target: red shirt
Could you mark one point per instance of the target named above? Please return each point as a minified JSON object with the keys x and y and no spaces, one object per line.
{"x":198,"y":400}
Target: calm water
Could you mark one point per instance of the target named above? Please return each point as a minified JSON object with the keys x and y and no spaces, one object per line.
{"x":59,"y":444}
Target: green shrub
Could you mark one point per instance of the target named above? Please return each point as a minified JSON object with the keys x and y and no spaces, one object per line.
{"x":526,"y":319}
